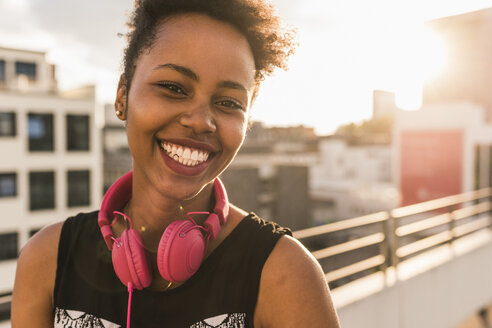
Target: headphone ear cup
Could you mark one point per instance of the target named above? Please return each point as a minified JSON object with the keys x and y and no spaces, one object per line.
{"x":130,"y":260}
{"x":181,"y":250}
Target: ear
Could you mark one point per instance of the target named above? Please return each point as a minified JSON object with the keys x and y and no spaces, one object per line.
{"x":120,"y":104}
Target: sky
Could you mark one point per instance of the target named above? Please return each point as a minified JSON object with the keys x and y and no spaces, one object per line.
{"x":347,"y":48}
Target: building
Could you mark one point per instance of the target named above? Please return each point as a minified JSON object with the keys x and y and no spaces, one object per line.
{"x":351,"y":179}
{"x":301,"y":180}
{"x":468,"y":74}
{"x":441,"y":150}
{"x":445,"y":147}
{"x":383,"y":104}
{"x":270,"y":174}
{"x":50,"y":151}
{"x":277,"y":192}
{"x":117,"y":159}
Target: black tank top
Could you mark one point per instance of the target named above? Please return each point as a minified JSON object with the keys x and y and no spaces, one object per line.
{"x":223,"y":293}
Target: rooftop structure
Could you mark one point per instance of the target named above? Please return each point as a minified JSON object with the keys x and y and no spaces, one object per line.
{"x":468,"y":75}
{"x":49,"y":149}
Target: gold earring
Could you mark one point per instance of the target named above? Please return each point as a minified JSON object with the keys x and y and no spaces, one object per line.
{"x":119,"y":113}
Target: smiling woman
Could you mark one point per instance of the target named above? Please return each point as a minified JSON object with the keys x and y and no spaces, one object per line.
{"x":192,"y":70}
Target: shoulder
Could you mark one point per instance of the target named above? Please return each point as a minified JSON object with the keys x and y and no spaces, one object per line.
{"x":238,"y":215}
{"x":44,"y":244}
{"x":35,"y":277}
{"x":293,"y":283}
{"x":33,"y":294}
{"x":41,"y":247}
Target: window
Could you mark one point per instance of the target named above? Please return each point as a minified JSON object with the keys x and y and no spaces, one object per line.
{"x":41,"y":190}
{"x":77,"y":132}
{"x":8,"y":246}
{"x":2,"y":71}
{"x":8,"y":185}
{"x":8,"y":124}
{"x":32,"y":232}
{"x":40,"y":129}
{"x":27,"y":69}
{"x":78,"y":188}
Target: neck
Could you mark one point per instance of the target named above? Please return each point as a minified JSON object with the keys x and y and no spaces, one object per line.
{"x":151,"y":212}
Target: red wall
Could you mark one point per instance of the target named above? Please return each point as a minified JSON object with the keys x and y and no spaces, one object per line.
{"x":430,"y":164}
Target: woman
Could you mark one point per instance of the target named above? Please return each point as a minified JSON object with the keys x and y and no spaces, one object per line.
{"x":192,"y":70}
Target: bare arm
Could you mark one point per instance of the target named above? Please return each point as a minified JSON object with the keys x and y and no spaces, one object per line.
{"x":293,"y":290}
{"x":32,"y":299}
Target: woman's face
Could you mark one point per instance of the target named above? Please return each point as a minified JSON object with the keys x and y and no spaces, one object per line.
{"x":187,"y":107}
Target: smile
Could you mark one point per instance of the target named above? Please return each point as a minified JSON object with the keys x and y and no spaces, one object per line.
{"x":184,"y":155}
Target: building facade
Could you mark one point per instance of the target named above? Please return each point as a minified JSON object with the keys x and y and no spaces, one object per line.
{"x":117,"y":159}
{"x":351,"y":180}
{"x":270,"y":174}
{"x":441,"y":150}
{"x":49,"y":150}
{"x":301,"y":180}
{"x":445,"y":147}
{"x":468,"y":73}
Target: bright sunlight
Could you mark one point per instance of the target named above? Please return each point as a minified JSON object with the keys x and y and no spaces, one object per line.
{"x":425,"y":55}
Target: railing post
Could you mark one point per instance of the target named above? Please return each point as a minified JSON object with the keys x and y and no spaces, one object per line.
{"x":392,"y":240}
{"x":385,"y":246}
{"x":452,"y":223}
{"x":395,"y":244}
{"x":490,"y":211}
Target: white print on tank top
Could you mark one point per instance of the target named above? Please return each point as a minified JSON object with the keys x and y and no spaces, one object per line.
{"x":233,"y":320}
{"x":76,"y":319}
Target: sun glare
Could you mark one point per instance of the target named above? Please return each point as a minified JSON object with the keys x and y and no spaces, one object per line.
{"x":424,"y":58}
{"x":14,"y":5}
{"x":435,"y":54}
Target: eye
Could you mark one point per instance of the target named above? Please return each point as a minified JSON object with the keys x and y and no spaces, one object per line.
{"x":230,"y":104}
{"x":172,"y":87}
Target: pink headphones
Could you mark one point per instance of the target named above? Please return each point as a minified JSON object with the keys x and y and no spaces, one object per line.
{"x":182,"y":245}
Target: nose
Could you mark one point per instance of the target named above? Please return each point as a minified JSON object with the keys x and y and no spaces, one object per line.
{"x":199,"y":119}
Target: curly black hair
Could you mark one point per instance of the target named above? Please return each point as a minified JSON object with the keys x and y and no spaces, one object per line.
{"x":271,"y":43}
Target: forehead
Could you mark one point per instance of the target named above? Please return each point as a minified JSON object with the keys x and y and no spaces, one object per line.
{"x":203,"y":44}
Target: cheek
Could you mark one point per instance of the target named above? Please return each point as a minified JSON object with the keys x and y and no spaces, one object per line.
{"x":140,"y":128}
{"x":144,"y":112}
{"x":235,"y":134}
{"x":137,"y":125}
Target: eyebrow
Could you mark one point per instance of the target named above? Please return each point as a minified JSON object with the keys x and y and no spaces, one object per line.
{"x":181,"y":69}
{"x":192,"y":75}
{"x":232,"y":85}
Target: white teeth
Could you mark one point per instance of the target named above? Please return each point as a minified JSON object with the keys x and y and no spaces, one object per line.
{"x":185,"y":155}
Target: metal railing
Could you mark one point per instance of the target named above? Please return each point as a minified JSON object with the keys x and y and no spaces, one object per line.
{"x":399,"y":234}
{"x":432,"y":223}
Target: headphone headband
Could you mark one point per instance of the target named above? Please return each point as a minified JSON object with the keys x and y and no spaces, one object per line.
{"x":120,"y":193}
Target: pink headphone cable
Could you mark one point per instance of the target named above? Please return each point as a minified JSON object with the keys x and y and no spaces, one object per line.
{"x":130,"y":285}
{"x":128,"y":313}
